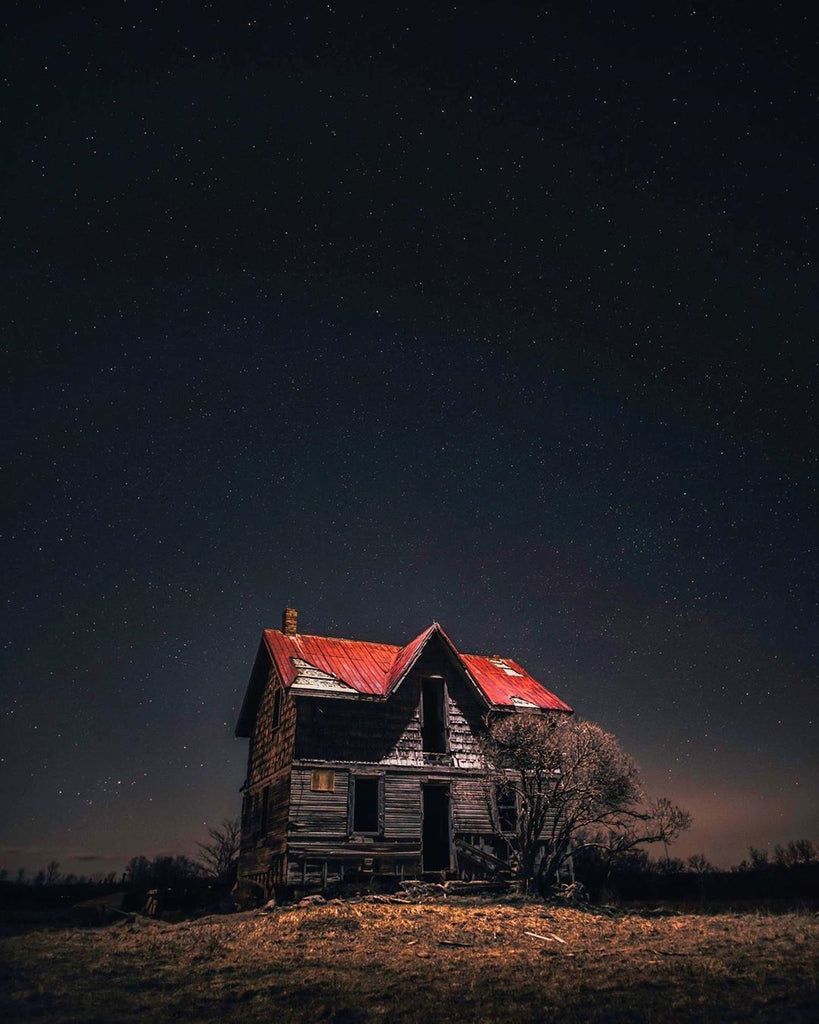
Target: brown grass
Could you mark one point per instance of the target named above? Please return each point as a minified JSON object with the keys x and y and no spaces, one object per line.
{"x":350,"y":963}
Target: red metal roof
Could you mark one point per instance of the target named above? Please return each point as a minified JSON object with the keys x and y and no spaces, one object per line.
{"x":376,"y":669}
{"x":502,"y":687}
{"x":406,"y":657}
{"x":364,"y":666}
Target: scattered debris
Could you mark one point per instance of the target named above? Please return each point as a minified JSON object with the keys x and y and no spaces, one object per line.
{"x":455,"y":887}
{"x":478,"y":887}
{"x":571,"y":893}
{"x":551,"y":937}
{"x":102,"y":910}
{"x":419,"y":889}
{"x":375,"y":898}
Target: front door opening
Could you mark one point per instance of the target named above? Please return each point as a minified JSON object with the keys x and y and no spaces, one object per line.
{"x":436,"y":852}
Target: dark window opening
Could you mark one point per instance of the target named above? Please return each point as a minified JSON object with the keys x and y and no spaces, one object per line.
{"x":365,"y":804}
{"x":433,"y":716}
{"x":507,"y":805}
{"x":276,"y":712}
{"x":253,"y":814}
{"x":265,"y":809}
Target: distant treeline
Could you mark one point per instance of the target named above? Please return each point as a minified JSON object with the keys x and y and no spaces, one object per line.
{"x":790,"y":872}
{"x":50,"y":888}
{"x":216,"y":865}
{"x":139,"y":871}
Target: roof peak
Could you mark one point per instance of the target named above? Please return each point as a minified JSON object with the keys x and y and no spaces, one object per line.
{"x":352,"y":639}
{"x":324,"y":636}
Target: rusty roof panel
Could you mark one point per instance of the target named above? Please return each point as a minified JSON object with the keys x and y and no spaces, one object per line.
{"x":504,"y":682}
{"x":362,"y":665}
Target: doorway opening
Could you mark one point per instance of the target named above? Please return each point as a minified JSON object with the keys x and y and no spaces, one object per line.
{"x":435,"y":838}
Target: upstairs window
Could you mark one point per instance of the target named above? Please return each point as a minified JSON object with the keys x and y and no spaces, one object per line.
{"x":276,"y":710}
{"x":433,"y":716}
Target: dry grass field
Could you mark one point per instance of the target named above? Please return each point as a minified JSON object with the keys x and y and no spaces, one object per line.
{"x":465,"y":961}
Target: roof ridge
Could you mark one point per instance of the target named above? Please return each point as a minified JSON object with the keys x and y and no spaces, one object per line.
{"x":342,"y":639}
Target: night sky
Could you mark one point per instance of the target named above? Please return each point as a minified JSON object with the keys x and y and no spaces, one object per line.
{"x":484,"y":314}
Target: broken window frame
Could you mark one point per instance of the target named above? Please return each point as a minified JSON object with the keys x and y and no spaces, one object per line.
{"x":506,"y":808}
{"x":323,"y":780}
{"x":276,"y":710}
{"x":265,"y":811}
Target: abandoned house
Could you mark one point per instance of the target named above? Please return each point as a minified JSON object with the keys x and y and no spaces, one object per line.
{"x":366,"y":757}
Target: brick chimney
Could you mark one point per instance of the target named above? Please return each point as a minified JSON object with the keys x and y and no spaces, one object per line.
{"x":290,"y":621}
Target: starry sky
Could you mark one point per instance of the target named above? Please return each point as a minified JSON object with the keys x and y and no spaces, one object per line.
{"x":495,"y":314}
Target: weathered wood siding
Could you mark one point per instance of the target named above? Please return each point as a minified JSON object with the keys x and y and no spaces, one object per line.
{"x":318,"y":814}
{"x":464,"y":710}
{"x":326,"y":816}
{"x":402,"y":806}
{"x":265,"y":804}
{"x":271,"y":746}
{"x":322,"y":848}
{"x":470,"y":810}
{"x":360,"y":730}
{"x":389,"y":732}
{"x":323,"y":814}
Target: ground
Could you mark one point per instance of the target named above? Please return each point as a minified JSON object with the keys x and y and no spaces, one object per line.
{"x":459,"y":961}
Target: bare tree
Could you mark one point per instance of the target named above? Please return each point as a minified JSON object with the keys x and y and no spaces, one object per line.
{"x":804,"y":851}
{"x":163,"y":871}
{"x":220,"y":856}
{"x":669,"y":866}
{"x":168,"y":871}
{"x":800,"y":851}
{"x":138,"y":870}
{"x":759,"y":858}
{"x":574,"y":788}
{"x":699,"y":864}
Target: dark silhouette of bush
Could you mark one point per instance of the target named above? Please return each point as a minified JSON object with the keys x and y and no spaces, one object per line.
{"x":791,"y":874}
